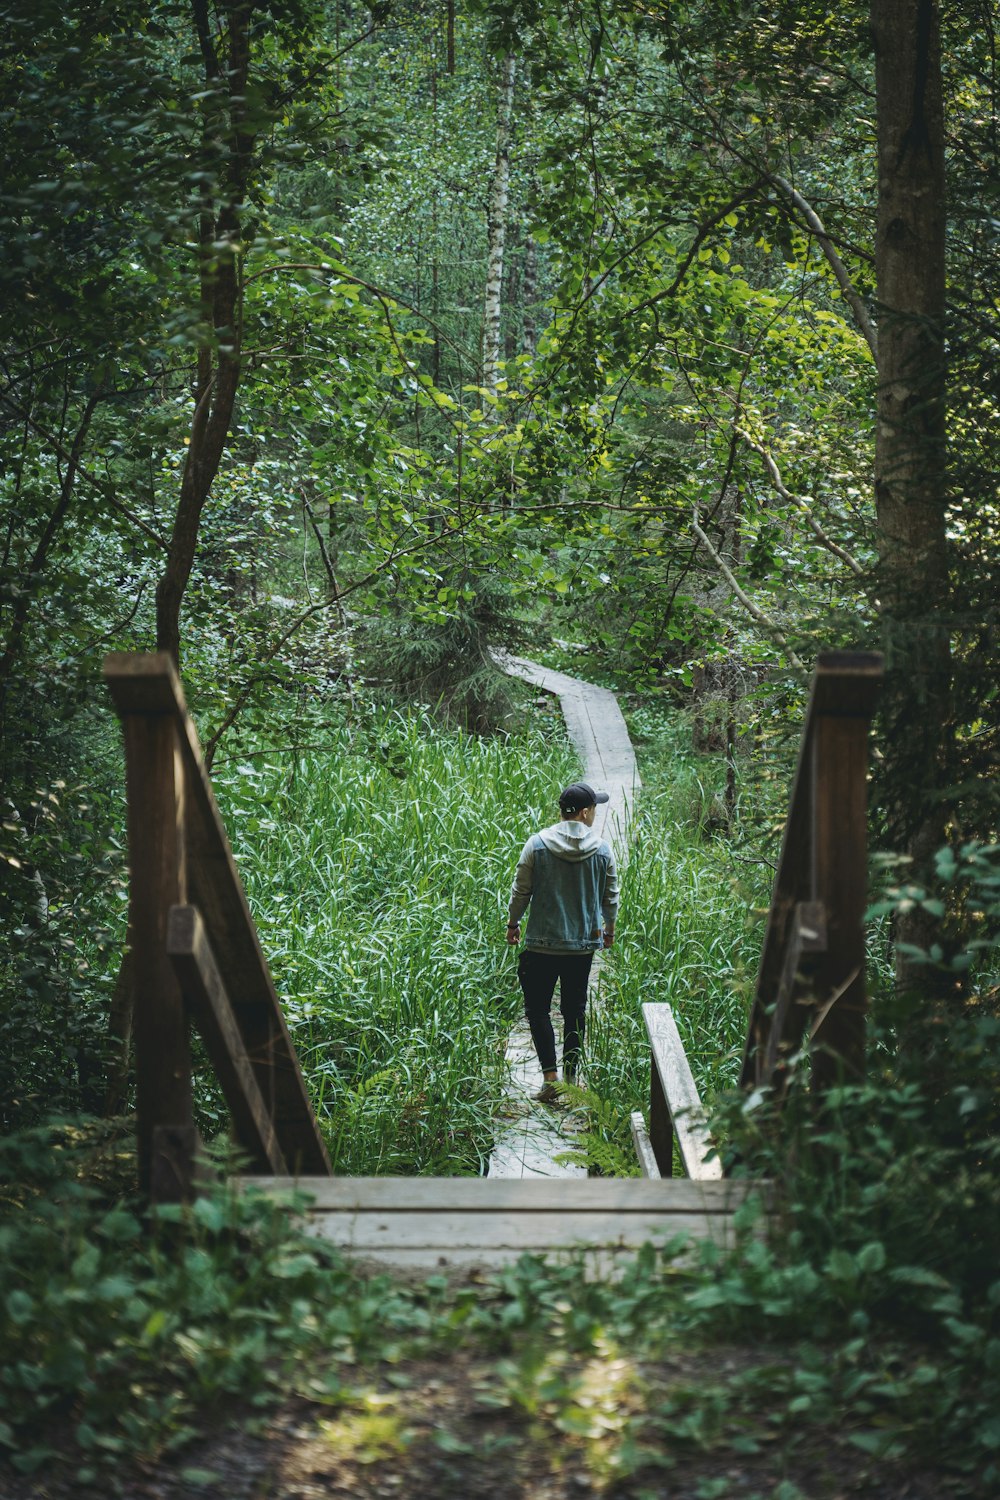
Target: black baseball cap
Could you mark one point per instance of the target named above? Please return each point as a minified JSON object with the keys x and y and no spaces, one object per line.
{"x":575,"y":798}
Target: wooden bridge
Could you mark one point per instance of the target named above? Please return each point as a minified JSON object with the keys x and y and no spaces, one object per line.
{"x":197,"y":960}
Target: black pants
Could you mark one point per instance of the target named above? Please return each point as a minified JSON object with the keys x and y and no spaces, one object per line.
{"x":538,"y":974}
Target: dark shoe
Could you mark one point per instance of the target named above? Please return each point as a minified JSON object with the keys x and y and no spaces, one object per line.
{"x":549,"y":1093}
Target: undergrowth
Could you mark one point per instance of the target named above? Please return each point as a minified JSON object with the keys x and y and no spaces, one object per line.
{"x":861,"y":1315}
{"x":121,"y":1333}
{"x":830,"y":1329}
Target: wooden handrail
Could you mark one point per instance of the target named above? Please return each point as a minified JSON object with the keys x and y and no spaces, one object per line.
{"x":811,"y":980}
{"x":675,"y":1110}
{"x":197,"y":956}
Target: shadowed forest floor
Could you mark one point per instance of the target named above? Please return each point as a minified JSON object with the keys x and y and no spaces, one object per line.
{"x":465,"y":1426}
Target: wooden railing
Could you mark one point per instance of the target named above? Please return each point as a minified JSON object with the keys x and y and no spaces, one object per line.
{"x":811,"y":980}
{"x":196,"y":955}
{"x":675,"y":1112}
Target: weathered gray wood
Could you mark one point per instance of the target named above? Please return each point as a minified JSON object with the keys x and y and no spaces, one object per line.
{"x":149,"y":686}
{"x":473,"y":1265}
{"x":425,"y":1224}
{"x":209,"y":1005}
{"x":679,"y":1094}
{"x":486,"y":1195}
{"x":537,"y":1231}
{"x":643,"y":1145}
{"x":530,"y":1139}
{"x":157,"y":859}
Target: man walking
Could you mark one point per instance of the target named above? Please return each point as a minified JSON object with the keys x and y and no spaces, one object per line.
{"x":567,"y":875}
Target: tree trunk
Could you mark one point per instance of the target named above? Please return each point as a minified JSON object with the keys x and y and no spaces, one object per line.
{"x":529,"y":296}
{"x":497,"y":226}
{"x":220,"y":270}
{"x":910,"y":478}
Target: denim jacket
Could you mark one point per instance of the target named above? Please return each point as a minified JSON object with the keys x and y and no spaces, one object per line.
{"x":568,"y":877}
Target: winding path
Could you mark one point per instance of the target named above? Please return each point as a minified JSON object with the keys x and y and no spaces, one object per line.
{"x":530,"y":1137}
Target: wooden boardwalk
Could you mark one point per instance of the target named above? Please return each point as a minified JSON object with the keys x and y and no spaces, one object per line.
{"x":532,"y":1138}
{"x":462,"y":1224}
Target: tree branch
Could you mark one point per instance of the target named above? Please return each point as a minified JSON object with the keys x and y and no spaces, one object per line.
{"x":754,"y":610}
{"x":802,"y":505}
{"x":327,"y":564}
{"x":32,"y":573}
{"x":847,"y":288}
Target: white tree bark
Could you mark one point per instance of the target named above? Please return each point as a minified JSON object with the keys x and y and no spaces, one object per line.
{"x":497,"y":226}
{"x":530,"y":295}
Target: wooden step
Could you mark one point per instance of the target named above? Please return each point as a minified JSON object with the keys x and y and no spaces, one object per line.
{"x":433,"y":1223}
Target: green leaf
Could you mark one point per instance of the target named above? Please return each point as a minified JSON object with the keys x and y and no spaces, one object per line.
{"x":872,"y":1257}
{"x":20,"y":1307}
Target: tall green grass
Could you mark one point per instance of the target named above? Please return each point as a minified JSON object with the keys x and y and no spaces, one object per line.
{"x":378,"y":873}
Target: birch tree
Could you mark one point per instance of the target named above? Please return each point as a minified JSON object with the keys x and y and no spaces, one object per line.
{"x":499,"y":196}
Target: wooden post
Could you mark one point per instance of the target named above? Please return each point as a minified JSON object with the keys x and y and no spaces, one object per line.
{"x":811,"y":981}
{"x":675,"y":1111}
{"x":661,"y":1128}
{"x":180,"y":854}
{"x":839,"y":878}
{"x":167,"y":1139}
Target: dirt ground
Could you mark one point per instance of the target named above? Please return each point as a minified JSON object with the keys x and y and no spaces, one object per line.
{"x":459,"y":1428}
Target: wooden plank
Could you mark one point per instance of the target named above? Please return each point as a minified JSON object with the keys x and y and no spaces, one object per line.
{"x":807,"y":943}
{"x":846,"y":683}
{"x":670,"y":1064}
{"x":643,"y":1145}
{"x":661,"y":1126}
{"x":210,"y":1008}
{"x":487,"y":1195}
{"x":217,"y":890}
{"x":840,"y":863}
{"x":475,"y":1265}
{"x":791,"y":884}
{"x":427,"y":1224}
{"x":369,"y":1233}
{"x":157,"y":860}
{"x":150,"y":685}
{"x":144,"y":683}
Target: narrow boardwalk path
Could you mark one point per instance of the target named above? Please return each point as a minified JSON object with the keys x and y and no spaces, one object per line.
{"x":531,"y":1137}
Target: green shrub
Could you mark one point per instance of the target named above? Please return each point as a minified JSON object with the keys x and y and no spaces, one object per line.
{"x":124,"y":1333}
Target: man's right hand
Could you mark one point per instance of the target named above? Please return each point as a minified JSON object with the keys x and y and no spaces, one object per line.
{"x":513,"y":933}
